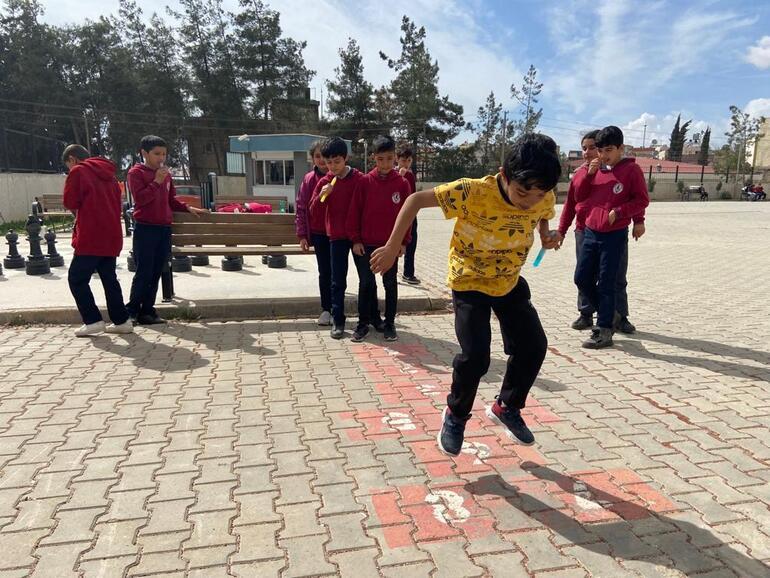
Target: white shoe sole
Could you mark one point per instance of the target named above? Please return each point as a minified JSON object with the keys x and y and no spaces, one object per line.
{"x":115,"y":331}
{"x":496,"y":420}
{"x":438,"y":437}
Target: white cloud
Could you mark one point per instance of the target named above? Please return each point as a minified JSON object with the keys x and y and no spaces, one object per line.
{"x":758,"y":107}
{"x":759,"y":55}
{"x":618,"y":56}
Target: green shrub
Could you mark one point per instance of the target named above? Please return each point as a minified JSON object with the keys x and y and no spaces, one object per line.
{"x":725,"y":196}
{"x":651,"y":185}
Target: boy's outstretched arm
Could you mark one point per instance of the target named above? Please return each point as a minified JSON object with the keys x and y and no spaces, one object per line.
{"x":384,"y":257}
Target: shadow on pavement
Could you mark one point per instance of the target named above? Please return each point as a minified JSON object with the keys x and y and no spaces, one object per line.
{"x":682,"y":544}
{"x":151,"y":355}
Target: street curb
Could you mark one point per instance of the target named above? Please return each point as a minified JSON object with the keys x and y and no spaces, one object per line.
{"x":221,"y":309}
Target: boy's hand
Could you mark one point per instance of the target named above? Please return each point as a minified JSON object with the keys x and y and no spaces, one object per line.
{"x":593,"y":166}
{"x":358,"y":249}
{"x":637,"y":231}
{"x":383,"y":258}
{"x":402,"y":251}
{"x":551,"y":240}
{"x":304,"y":245}
{"x":196,"y":211}
{"x":612,"y":216}
{"x":161,"y":174}
{"x":402,"y":171}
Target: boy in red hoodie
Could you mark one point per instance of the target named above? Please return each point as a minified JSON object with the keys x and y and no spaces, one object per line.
{"x":311,"y":231}
{"x":376,"y":202}
{"x":613,"y":196}
{"x":336,"y":198}
{"x":405,"y":158}
{"x":91,"y":191}
{"x":154,"y":201}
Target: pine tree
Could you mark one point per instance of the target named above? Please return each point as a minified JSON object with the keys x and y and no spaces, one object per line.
{"x":703,"y":154}
{"x":488,"y":127}
{"x":678,"y":135}
{"x":527,"y":98}
{"x":351,"y":97}
{"x":272,"y":66}
{"x":421,"y":115}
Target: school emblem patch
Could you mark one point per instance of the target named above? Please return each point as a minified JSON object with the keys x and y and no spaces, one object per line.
{"x":618,"y":188}
{"x":396,"y":198}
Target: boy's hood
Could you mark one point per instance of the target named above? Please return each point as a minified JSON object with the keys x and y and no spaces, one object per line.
{"x":103,"y":169}
{"x":392,"y":175}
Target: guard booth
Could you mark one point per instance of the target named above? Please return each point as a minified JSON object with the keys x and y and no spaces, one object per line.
{"x":274,"y":163}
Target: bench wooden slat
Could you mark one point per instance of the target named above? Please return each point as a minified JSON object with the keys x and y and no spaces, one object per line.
{"x":233,"y":228}
{"x":224,"y":251}
{"x":285,"y":218}
{"x":233,"y":239}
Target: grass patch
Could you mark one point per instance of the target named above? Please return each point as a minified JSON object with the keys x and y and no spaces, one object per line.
{"x":21,"y":226}
{"x":183,"y":314}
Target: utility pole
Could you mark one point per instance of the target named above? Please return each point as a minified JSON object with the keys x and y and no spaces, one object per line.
{"x":644,"y":136}
{"x":502,"y":142}
{"x":88,"y":137}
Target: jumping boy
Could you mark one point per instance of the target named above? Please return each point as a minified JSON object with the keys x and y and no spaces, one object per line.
{"x":496,"y":218}
{"x":375,"y":205}
{"x":613,"y":195}
{"x":336,"y":198}
{"x":311,"y":231}
{"x":405,"y":158}
{"x":91,"y":191}
{"x":154,"y":202}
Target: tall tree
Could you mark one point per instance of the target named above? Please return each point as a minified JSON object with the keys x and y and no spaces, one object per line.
{"x":421,"y":115}
{"x":744,"y":131}
{"x":526,"y":96}
{"x":272,"y":66}
{"x":705,"y":141}
{"x":351,"y":97}
{"x":489,"y":128}
{"x":678,"y":135}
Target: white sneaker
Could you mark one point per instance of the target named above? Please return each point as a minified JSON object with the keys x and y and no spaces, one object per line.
{"x":90,"y":329}
{"x":126,"y":327}
{"x":325,"y":318}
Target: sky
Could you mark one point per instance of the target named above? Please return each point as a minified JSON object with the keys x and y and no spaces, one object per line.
{"x":601,"y":62}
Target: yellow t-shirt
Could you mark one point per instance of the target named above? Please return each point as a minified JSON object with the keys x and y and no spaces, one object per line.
{"x":491,"y":238}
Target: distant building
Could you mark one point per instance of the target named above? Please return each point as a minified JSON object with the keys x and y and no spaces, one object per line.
{"x":760,"y":153}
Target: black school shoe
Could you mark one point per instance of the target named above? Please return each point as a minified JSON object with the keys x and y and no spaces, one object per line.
{"x":390,"y":332}
{"x":147,"y":319}
{"x":337,"y":331}
{"x":511,"y":420}
{"x":411,"y":279}
{"x":378,"y":324}
{"x":601,"y":337}
{"x":452,"y":434}
{"x":583,"y":322}
{"x":360,"y":333}
{"x":625,"y":326}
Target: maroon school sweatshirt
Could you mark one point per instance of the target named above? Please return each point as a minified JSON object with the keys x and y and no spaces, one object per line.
{"x":337,"y":203}
{"x":375,"y":206}
{"x":153,"y":202}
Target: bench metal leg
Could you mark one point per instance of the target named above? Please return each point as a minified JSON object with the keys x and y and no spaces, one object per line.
{"x":167,"y":283}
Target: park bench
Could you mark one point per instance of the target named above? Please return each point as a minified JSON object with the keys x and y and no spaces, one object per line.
{"x":234,"y":235}
{"x":53,"y":206}
{"x":274,"y":201}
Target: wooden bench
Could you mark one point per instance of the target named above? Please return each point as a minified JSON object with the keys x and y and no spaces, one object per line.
{"x":273,"y":201}
{"x":234,"y":235}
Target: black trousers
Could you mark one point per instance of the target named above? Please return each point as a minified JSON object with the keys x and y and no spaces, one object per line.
{"x":411,"y":248}
{"x":523,"y":338}
{"x":152,"y":247}
{"x":368,"y":306}
{"x":79,"y":277}
{"x":324,"y":259}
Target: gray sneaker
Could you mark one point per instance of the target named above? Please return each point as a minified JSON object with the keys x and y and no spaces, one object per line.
{"x":601,"y":337}
{"x":325,"y":319}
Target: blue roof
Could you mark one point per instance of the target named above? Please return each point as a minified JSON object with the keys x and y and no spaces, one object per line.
{"x":274,"y":142}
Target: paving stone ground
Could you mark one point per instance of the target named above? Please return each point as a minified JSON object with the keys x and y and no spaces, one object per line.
{"x":265,"y":448}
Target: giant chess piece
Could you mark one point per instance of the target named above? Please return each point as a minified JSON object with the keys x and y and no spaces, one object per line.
{"x":131,"y":261}
{"x":13,"y":260}
{"x":37,"y":263}
{"x":54,"y":258}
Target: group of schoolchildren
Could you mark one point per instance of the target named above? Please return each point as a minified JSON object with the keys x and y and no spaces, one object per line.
{"x":92,"y":193}
{"x":341,"y":210}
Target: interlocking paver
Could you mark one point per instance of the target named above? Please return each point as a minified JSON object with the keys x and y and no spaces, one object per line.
{"x":264,"y":448}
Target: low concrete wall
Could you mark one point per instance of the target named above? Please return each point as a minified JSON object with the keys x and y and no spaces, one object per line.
{"x":18,"y":190}
{"x":232,"y":186}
